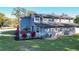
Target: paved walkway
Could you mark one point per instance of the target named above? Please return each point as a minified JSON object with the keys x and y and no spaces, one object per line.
{"x":7,"y":33}
{"x":7,"y":30}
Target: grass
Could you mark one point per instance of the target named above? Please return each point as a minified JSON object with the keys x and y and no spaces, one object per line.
{"x":70,"y":43}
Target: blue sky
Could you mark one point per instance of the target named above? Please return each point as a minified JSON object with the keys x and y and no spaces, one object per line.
{"x":72,"y":11}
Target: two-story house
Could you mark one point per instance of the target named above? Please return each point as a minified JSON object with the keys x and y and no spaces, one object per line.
{"x":47,"y":25}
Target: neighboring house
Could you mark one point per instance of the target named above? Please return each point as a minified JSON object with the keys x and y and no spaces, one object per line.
{"x":47,"y":25}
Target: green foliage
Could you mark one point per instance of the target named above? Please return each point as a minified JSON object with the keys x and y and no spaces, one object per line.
{"x":12,"y":22}
{"x":18,"y":12}
{"x":76,"y":20}
{"x":2,"y":15}
{"x":2,"y":19}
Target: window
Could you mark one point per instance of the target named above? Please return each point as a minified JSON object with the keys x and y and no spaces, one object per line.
{"x":66,"y":33}
{"x":51,"y":19}
{"x":37,"y":19}
{"x":58,"y":29}
{"x":71,"y":29}
{"x":45,"y":19}
{"x":50,"y":30}
{"x":61,"y":29}
{"x":32,"y":28}
{"x":37,"y":29}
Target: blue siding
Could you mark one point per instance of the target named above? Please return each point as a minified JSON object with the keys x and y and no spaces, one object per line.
{"x":24,"y":22}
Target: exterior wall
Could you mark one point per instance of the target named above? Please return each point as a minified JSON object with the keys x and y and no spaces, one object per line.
{"x":76,"y":30}
{"x":71,"y":21}
{"x":50,"y":20}
{"x":54,"y":32}
{"x":24,"y":23}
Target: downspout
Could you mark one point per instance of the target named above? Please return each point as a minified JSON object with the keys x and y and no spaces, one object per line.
{"x":19,"y":27}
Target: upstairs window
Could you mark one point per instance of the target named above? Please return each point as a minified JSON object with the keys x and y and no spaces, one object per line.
{"x":51,"y":19}
{"x":37,"y":19}
{"x":48,"y":20}
{"x":45,"y":19}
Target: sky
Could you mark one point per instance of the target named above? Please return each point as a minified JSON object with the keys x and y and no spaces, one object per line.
{"x":71,"y":11}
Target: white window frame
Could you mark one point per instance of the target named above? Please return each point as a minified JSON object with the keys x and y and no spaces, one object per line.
{"x":35,"y":19}
{"x":45,"y":20}
{"x":51,"y":20}
{"x":37,"y":29}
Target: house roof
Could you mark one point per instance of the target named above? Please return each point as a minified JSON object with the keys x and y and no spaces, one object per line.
{"x":53,"y":16}
{"x":63,"y":16}
{"x":71,"y":24}
{"x":52,"y":25}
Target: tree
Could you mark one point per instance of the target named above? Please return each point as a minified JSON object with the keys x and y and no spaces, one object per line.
{"x":2,"y":15}
{"x":18,"y":12}
{"x":11,"y":22}
{"x":76,"y":20}
{"x":2,"y":19}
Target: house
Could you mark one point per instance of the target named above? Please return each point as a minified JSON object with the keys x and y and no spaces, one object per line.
{"x":46,"y":26}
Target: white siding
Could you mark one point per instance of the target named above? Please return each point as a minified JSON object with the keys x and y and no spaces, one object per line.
{"x":71,"y":21}
{"x":76,"y":30}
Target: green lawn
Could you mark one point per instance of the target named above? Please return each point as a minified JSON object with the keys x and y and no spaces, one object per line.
{"x":65,"y":43}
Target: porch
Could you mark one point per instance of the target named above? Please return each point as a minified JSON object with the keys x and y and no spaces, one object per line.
{"x":54,"y":30}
